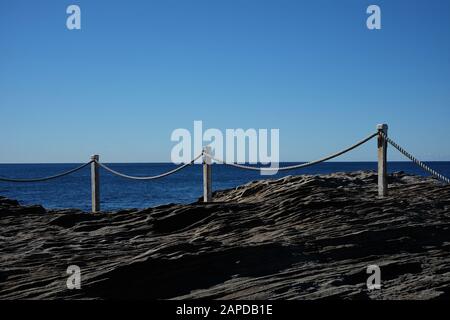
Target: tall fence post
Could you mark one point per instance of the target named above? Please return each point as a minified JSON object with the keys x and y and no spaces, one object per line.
{"x":95,"y":184}
{"x":382,"y":160}
{"x":207,"y":177}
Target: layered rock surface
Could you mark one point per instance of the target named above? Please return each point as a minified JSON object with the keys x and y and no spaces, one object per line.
{"x":300,"y":237}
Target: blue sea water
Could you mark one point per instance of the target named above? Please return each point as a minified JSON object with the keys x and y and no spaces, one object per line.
{"x":185,"y":186}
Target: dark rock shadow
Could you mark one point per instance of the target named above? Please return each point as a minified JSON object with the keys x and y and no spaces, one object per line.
{"x":169,"y":278}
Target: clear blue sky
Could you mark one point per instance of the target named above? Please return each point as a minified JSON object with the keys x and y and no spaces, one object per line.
{"x":139,"y":69}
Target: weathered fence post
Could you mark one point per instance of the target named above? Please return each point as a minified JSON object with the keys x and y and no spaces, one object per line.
{"x":207,"y":177}
{"x":382,"y":160}
{"x":95,"y":184}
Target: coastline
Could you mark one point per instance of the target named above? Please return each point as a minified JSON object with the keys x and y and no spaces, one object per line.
{"x":118,"y":193}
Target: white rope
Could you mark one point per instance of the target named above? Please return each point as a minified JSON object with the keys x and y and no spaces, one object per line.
{"x":46,"y":178}
{"x":299,"y":166}
{"x":148,"y":178}
{"x":303,"y":165}
{"x":415,"y":160}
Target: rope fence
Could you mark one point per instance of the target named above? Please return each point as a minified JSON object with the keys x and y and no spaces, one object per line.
{"x":162,"y":175}
{"x":46,"y":178}
{"x":415,"y":160}
{"x":383,"y":141}
{"x":298,"y":166}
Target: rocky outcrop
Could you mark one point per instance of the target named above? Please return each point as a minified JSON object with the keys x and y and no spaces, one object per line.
{"x":12,"y":207}
{"x":302,"y":237}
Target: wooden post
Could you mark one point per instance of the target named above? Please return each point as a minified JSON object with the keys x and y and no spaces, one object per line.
{"x":207,"y":177}
{"x":95,"y":184}
{"x":382,"y":161}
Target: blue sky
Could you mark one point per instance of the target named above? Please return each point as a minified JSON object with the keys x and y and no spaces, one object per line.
{"x":137,"y":70}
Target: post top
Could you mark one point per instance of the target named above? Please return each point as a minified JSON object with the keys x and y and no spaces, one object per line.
{"x":206,"y":159}
{"x":95,"y":157}
{"x":382,"y":126}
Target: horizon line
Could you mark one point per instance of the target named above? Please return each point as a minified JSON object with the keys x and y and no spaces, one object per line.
{"x":140,"y":162}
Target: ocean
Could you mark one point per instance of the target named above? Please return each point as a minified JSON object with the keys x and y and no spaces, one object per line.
{"x":185,"y":186}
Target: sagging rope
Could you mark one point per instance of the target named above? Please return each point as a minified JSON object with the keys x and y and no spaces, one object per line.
{"x":415,"y":160}
{"x":46,"y":178}
{"x":152,"y":177}
{"x":299,"y":166}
